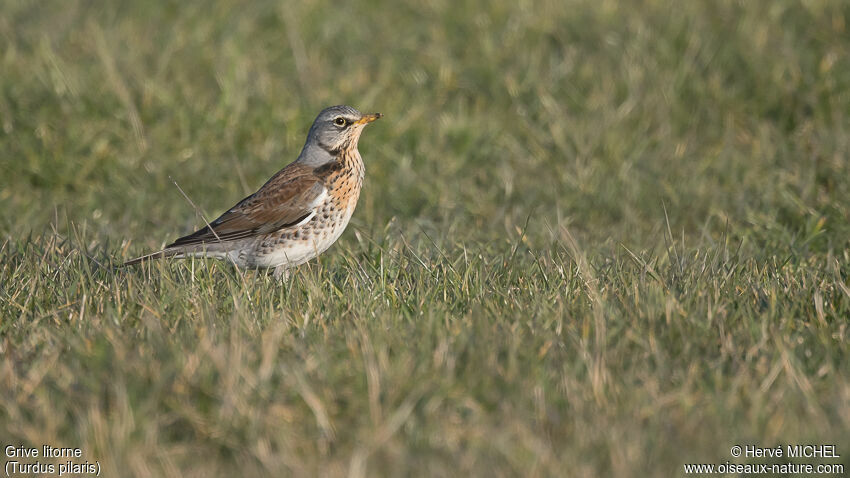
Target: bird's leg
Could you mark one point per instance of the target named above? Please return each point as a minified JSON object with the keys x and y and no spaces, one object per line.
{"x":281,"y":273}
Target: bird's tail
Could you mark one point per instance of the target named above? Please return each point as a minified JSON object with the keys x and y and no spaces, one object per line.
{"x":152,"y":256}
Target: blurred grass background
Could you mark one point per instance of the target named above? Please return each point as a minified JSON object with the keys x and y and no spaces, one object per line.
{"x":596,"y":237}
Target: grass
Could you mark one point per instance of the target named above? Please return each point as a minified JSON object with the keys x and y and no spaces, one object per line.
{"x":595,"y":239}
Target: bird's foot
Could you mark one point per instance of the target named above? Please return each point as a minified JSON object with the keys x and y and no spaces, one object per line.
{"x":281,"y":273}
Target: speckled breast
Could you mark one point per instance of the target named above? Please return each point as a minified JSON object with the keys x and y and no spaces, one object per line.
{"x":296,"y":246}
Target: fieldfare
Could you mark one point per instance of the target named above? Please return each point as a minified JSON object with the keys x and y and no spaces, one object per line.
{"x":298,"y":213}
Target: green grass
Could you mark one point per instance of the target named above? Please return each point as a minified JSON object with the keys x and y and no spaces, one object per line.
{"x":595,"y":238}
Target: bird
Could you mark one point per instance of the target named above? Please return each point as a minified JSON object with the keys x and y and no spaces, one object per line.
{"x":298,"y":213}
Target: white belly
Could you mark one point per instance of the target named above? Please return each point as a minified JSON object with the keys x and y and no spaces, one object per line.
{"x":297,"y":252}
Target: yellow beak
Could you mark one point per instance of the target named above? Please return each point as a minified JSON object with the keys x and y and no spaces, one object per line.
{"x":368,"y":118}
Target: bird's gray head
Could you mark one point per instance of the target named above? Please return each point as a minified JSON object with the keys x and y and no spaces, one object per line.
{"x":335,"y":130}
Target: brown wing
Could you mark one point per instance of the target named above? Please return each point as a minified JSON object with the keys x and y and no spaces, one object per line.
{"x":284,"y":201}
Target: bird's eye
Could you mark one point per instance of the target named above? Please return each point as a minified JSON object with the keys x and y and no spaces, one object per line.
{"x":340,"y":121}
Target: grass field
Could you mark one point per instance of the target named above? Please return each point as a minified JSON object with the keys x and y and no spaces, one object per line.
{"x":596,"y":238}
